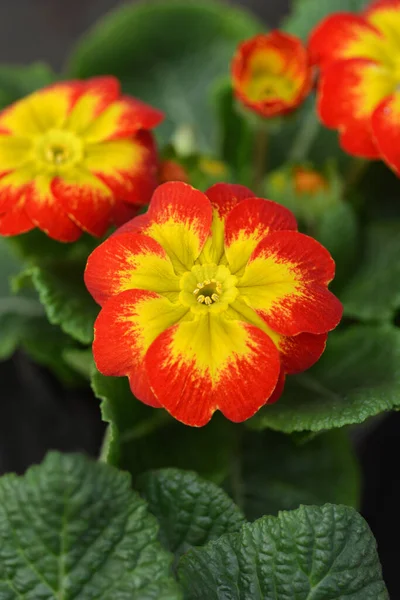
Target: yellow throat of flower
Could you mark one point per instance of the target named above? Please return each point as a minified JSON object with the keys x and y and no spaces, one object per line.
{"x":208,"y":287}
{"x":58,"y":150}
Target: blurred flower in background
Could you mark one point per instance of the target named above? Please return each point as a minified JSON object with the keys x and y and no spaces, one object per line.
{"x":75,"y":156}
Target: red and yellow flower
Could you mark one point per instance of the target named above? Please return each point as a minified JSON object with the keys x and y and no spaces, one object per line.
{"x":75,"y":156}
{"x":271,"y":73}
{"x":359,"y":89}
{"x":209,"y":300}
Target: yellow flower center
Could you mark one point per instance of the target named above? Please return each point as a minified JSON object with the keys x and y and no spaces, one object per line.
{"x":208,"y":291}
{"x":208,"y":287}
{"x":58,"y":149}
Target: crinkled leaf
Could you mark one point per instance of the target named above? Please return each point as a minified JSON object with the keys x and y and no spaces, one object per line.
{"x":190,"y":510}
{"x":278,"y":472}
{"x":306,"y":14}
{"x":313,"y":553}
{"x":73,"y":528}
{"x":373,"y":294}
{"x":141,"y":438}
{"x":357,"y":377}
{"x":65,"y":298}
{"x":169,"y":54}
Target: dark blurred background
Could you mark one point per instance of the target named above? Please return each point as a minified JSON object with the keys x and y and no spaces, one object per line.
{"x":37,"y":413}
{"x":46,"y":29}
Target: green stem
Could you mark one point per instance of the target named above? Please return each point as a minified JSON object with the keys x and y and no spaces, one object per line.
{"x":260,"y":158}
{"x":305,"y":137}
{"x":355,"y":174}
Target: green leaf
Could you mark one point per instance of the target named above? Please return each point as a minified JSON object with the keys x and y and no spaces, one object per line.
{"x":306,"y":14}
{"x":143,"y":438}
{"x":278,"y":473}
{"x":168,"y":54}
{"x":18,"y":81}
{"x":313,"y":553}
{"x":374,"y":292}
{"x":71,"y":528}
{"x":65,"y":298}
{"x":337,"y":229}
{"x":357,"y":377}
{"x":190,"y":510}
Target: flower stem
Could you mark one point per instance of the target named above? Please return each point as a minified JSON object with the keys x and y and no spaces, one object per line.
{"x":355,"y":174}
{"x":260,"y":158}
{"x":305,"y":137}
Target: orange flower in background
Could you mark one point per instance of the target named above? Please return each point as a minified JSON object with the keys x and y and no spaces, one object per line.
{"x":209,"y":300}
{"x":307,"y":181}
{"x":75,"y":156}
{"x":359,"y":89}
{"x":171,"y":170}
{"x":271,"y":73}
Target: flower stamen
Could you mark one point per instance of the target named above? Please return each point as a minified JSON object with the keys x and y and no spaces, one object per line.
{"x":211,"y":290}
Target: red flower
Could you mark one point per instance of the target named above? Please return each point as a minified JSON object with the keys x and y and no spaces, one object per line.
{"x":209,"y":300}
{"x":271,"y":73}
{"x":75,"y":156}
{"x":360,"y":79}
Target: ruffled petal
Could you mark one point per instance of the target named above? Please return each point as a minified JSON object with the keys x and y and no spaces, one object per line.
{"x":123,"y":118}
{"x":98,"y":93}
{"x":43,"y":110}
{"x":248,"y":223}
{"x":13,"y":185}
{"x":385,"y":16}
{"x":127,"y":166}
{"x":124,"y":330}
{"x":386,"y":130}
{"x":179,"y":218}
{"x":15,"y":221}
{"x":46,"y":212}
{"x":223,"y":197}
{"x":345,"y":35}
{"x":85,"y":199}
{"x":285,"y":283}
{"x":198,"y":367}
{"x":349,"y":93}
{"x":128,"y":261}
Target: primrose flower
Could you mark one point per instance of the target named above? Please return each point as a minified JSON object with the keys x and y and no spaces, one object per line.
{"x":308,"y":182}
{"x":359,"y":89}
{"x":209,"y":300}
{"x":75,"y":156}
{"x":271,"y":73}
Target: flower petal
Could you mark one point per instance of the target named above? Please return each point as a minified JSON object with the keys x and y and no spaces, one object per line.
{"x":212,"y":363}
{"x":124,"y":212}
{"x":122,"y":119}
{"x":386,"y":130}
{"x":278,"y":391}
{"x":15,"y":221}
{"x":130,"y":261}
{"x":13,"y":186}
{"x":179,"y":218}
{"x":385,"y":16}
{"x":127,"y":166}
{"x":285,"y":283}
{"x":223,"y":197}
{"x":124,"y":330}
{"x":86,"y":200}
{"x":46,"y":212}
{"x":43,"y":110}
{"x":349,"y":93}
{"x":15,"y":151}
{"x":345,"y":35}
{"x":271,"y":73}
{"x":300,"y":352}
{"x":248,"y":223}
{"x":98,"y":93}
